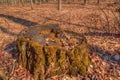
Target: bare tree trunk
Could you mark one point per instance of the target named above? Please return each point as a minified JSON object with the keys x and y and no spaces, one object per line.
{"x":31,"y":2}
{"x":40,"y":1}
{"x":85,"y":1}
{"x":98,"y":2}
{"x":22,"y":2}
{"x":59,"y":5}
{"x":119,"y":1}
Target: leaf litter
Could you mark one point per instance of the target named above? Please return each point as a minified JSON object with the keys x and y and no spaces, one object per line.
{"x":104,"y":49}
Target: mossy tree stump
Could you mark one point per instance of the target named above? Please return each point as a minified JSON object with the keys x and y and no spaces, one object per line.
{"x":46,"y":51}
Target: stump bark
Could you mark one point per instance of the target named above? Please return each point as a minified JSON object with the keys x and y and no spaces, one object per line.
{"x":47,"y":50}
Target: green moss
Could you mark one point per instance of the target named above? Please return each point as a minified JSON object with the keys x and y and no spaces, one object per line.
{"x":37,"y":59}
{"x":21,"y":43}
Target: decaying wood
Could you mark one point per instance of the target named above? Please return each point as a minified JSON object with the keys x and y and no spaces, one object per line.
{"x":47,"y":50}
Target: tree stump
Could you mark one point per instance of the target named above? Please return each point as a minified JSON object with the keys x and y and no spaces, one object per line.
{"x":47,"y":50}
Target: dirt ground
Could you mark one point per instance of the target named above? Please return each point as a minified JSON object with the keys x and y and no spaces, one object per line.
{"x":99,"y":24}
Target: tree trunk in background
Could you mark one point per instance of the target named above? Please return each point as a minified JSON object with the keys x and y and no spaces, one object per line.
{"x":59,"y":5}
{"x":118,"y":1}
{"x":40,"y":1}
{"x":23,"y":2}
{"x":85,"y":1}
{"x":31,"y":3}
{"x":98,"y":2}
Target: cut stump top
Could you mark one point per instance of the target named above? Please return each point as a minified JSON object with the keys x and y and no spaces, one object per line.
{"x":53,"y":35}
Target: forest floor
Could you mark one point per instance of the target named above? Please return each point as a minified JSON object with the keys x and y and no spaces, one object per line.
{"x":100,"y":25}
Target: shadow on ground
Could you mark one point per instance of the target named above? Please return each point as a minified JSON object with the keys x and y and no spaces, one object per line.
{"x":4,"y":30}
{"x":102,"y":34}
{"x":26,"y":23}
{"x":105,"y":54}
{"x":12,"y":49}
{"x":29,"y":23}
{"x":79,"y":25}
{"x":21,"y":21}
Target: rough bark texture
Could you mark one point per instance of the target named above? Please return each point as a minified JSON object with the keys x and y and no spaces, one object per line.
{"x":46,"y":51}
